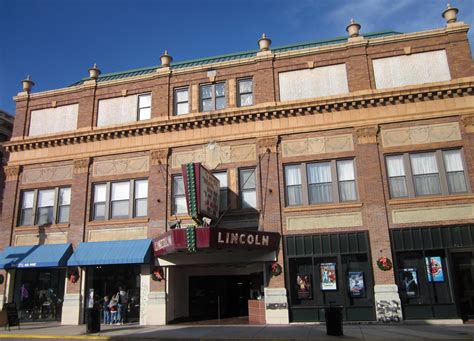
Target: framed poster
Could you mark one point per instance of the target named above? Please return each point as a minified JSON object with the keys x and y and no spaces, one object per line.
{"x":355,"y":280}
{"x":304,"y":287}
{"x":408,"y":280}
{"x":434,"y":269}
{"x":328,"y":276}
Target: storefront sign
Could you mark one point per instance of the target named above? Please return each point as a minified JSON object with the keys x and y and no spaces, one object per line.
{"x":328,"y":276}
{"x":202,"y":191}
{"x":304,"y":287}
{"x":434,"y":269}
{"x":408,"y":280}
{"x":355,"y":280}
{"x":244,"y":239}
{"x":27,"y":265}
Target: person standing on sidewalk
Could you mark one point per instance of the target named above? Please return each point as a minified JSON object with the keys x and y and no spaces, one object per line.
{"x":106,"y":309}
{"x":122,"y":305}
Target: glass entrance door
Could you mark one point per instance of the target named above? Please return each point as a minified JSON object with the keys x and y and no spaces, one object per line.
{"x":464,"y":283}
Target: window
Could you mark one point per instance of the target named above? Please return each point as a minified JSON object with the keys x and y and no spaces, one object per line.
{"x":120,"y":200}
{"x":144,"y":107}
{"x":293,"y":184}
{"x":45,"y":206}
{"x":245,"y":91}
{"x":141,"y":198}
{"x":222,"y":176}
{"x":181,"y":101}
{"x":427,"y":173}
{"x":179,"y":196}
{"x":320,"y":182}
{"x":213,"y":97}
{"x":64,"y":204}
{"x":248,"y":188}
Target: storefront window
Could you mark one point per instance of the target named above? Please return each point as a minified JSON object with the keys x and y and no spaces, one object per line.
{"x":39,"y":294}
{"x":330,"y":268}
{"x":106,"y":281}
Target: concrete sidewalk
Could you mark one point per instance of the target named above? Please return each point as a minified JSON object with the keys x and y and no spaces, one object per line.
{"x":55,"y":331}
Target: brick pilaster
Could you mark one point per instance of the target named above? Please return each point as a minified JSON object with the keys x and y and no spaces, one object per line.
{"x":468,"y":123}
{"x":270,"y":216}
{"x":370,"y":181}
{"x":358,"y":73}
{"x":157,"y":192}
{"x":80,"y":194}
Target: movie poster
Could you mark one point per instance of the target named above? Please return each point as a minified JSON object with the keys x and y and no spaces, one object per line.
{"x":408,"y":280}
{"x":328,"y":276}
{"x":356,"y":283}
{"x":304,"y":290}
{"x":434,"y":269}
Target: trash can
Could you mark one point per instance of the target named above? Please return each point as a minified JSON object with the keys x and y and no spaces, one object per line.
{"x":92,"y":320}
{"x":333,"y":315}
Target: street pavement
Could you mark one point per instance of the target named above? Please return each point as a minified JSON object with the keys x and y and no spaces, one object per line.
{"x":56,"y":331}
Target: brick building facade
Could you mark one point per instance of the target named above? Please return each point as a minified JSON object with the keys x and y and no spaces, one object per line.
{"x":354,"y":150}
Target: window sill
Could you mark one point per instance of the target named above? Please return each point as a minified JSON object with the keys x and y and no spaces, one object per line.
{"x":37,"y":227}
{"x":437,"y":198}
{"x":118,"y":221}
{"x":322,"y":207}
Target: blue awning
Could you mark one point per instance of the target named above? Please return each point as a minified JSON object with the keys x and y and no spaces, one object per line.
{"x":112,"y":252}
{"x":35,"y":256}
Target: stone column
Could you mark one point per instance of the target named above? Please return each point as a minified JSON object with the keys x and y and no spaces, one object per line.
{"x":276,"y":301}
{"x":369,"y":177}
{"x":152,"y":298}
{"x":72,"y":312}
{"x":8,"y":222}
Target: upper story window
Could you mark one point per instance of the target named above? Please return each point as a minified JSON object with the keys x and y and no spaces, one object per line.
{"x":119,"y":110}
{"x":320,"y":182}
{"x":222,"y":176}
{"x":181,"y":101}
{"x":120,"y":200}
{"x":248,"y":188}
{"x":60,"y":119}
{"x":245,"y":92}
{"x":213,"y":96}
{"x":144,"y":107}
{"x":311,"y":83}
{"x":45,"y":206}
{"x":417,"y":68}
{"x":179,"y":205}
{"x":429,"y":173}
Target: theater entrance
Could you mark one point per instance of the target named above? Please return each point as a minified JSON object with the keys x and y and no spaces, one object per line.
{"x":219,"y":297}
{"x":224,"y":298}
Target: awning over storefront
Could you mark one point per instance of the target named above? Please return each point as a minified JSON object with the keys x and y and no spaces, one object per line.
{"x":35,"y":256}
{"x":112,"y":252}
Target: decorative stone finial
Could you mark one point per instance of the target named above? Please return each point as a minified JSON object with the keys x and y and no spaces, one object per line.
{"x":94,"y":72}
{"x":353,"y":29}
{"x":264,"y":43}
{"x":27,"y":84}
{"x":166,"y":59}
{"x":450,"y":14}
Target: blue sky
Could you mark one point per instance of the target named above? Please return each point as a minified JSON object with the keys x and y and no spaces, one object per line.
{"x":56,"y":41}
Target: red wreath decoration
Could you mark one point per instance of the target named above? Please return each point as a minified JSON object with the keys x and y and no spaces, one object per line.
{"x":157,"y":274}
{"x":74,"y":277}
{"x":275,"y":269}
{"x":384,"y":264}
